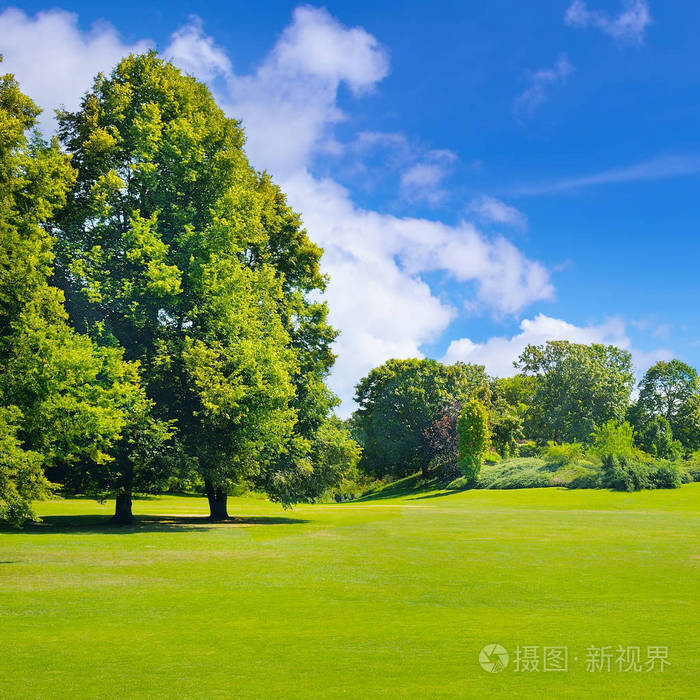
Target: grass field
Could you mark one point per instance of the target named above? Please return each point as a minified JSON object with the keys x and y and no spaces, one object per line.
{"x":389,"y":597}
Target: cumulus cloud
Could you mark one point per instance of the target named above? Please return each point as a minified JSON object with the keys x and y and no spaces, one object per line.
{"x":377,"y":296}
{"x":424,"y":179}
{"x":378,"y":263}
{"x":628,"y":27}
{"x":540,"y":81}
{"x":54,"y":60}
{"x":289,"y":104}
{"x":499,"y":353}
{"x":491,"y":210}
{"x":196,"y":53}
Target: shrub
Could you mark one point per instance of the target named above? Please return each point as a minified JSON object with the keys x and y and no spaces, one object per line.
{"x":691,"y":468}
{"x":473,"y":436}
{"x":566,"y":453}
{"x":624,"y":474}
{"x":517,"y":473}
{"x":577,"y":475}
{"x":667,"y":475}
{"x":528,"y":448}
{"x":613,"y":438}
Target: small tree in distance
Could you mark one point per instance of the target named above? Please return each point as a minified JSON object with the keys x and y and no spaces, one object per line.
{"x":474,"y":438}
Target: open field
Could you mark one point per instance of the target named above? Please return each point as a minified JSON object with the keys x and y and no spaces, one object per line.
{"x":389,"y":597}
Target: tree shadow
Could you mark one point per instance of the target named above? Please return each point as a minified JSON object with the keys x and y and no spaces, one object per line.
{"x":412,"y":488}
{"x":440,"y":494}
{"x":103,"y":524}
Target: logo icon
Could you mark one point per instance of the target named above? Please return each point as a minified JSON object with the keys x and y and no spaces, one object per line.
{"x":493,"y":658}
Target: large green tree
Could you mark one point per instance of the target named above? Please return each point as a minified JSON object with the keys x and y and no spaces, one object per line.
{"x":579,"y":387}
{"x":399,"y":401}
{"x":671,"y":390}
{"x":65,"y":402}
{"x":195,"y":264}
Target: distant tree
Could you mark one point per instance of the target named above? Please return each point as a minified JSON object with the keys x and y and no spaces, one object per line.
{"x":657,"y":439}
{"x":506,"y":427}
{"x":21,"y":477}
{"x":519,"y":393}
{"x":579,"y":387}
{"x":474,"y":438}
{"x":442,"y":443}
{"x":671,"y":390}
{"x":332,"y":460}
{"x":398,"y":401}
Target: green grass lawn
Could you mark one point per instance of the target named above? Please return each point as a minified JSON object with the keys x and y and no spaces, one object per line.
{"x":388,"y":597}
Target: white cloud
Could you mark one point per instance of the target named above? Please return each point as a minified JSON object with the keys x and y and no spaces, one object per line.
{"x":54,"y":60}
{"x":196,"y":53}
{"x":378,"y":296}
{"x":423,"y":180}
{"x":627,"y":28}
{"x":499,"y":353}
{"x":660,"y":168}
{"x":289,"y":104}
{"x":494,"y":211}
{"x":527,"y":102}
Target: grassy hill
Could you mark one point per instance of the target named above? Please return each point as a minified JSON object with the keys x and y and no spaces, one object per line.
{"x":391,"y":596}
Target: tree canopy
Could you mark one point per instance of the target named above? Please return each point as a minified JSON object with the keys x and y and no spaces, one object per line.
{"x":65,"y":401}
{"x":174,"y":248}
{"x":399,"y":400}
{"x":578,"y":387}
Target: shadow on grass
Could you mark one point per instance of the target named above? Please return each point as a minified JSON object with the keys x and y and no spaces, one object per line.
{"x":102,"y":524}
{"x":412,"y":488}
{"x":446,"y":492}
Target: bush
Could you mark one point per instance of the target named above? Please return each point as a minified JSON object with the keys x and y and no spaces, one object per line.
{"x":517,"y":473}
{"x":613,"y":438}
{"x":667,"y":475}
{"x":577,"y":475}
{"x":528,"y":449}
{"x":691,"y":468}
{"x":474,"y":437}
{"x":565,"y":453}
{"x":624,"y":474}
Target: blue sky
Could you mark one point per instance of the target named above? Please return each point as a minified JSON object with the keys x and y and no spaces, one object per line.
{"x":481,"y":175}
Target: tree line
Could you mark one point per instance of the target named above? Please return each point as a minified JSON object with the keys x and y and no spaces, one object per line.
{"x":567,"y":399}
{"x":159,"y":312}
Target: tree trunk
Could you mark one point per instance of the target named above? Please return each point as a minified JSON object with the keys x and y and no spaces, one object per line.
{"x":217,"y":502}
{"x":122,"y":511}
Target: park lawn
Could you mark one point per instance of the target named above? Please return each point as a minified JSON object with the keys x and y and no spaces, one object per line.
{"x":388,"y":597}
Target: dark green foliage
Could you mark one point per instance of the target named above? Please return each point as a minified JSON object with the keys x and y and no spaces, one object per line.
{"x":629,"y":474}
{"x":667,"y":475}
{"x":623,"y":474}
{"x":670,"y":390}
{"x":399,"y":401}
{"x":656,"y":438}
{"x":506,"y":428}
